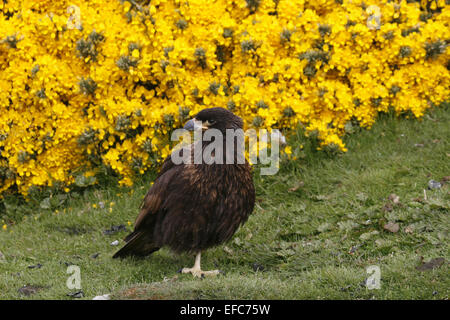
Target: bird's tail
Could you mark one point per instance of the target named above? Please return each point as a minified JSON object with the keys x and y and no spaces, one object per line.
{"x":137,"y":245}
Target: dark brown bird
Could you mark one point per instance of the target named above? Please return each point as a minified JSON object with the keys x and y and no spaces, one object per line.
{"x":193,"y":207}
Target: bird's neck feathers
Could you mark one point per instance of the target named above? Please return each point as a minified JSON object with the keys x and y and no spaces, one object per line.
{"x":218,"y":151}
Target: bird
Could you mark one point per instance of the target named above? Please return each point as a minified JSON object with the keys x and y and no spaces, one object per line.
{"x":193,"y":206}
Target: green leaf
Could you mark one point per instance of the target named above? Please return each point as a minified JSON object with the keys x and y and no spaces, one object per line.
{"x":83,"y":181}
{"x":46,"y":204}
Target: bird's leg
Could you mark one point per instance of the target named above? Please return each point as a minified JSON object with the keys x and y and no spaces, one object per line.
{"x":196,"y":271}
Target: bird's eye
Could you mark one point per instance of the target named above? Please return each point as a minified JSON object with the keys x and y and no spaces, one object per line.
{"x":210,"y":122}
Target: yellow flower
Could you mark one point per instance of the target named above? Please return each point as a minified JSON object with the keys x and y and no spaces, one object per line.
{"x":110,"y":93}
{"x":135,"y":53}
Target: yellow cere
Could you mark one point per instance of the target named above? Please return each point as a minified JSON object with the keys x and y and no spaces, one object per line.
{"x":85,"y":84}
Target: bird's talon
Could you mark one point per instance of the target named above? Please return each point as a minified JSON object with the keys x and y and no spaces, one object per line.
{"x":198,"y":273}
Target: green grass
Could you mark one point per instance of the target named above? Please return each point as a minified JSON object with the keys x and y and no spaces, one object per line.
{"x":317,"y":226}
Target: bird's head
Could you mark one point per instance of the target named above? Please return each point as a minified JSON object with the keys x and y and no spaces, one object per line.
{"x":215,"y":118}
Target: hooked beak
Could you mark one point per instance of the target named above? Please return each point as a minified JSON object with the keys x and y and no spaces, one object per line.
{"x":189,"y":125}
{"x":194,"y":124}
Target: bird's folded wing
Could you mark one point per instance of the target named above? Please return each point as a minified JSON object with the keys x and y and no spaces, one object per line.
{"x":154,"y":198}
{"x":164,"y":187}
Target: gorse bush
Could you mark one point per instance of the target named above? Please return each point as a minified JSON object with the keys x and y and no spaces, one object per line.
{"x":90,"y":84}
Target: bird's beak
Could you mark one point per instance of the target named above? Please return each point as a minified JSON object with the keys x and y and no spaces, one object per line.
{"x":190,"y":125}
{"x":194,"y":124}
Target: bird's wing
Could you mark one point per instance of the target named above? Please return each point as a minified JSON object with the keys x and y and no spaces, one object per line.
{"x":155,"y":196}
{"x":166,"y":166}
{"x":159,"y":191}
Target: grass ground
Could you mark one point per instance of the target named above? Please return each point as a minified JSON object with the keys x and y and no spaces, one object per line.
{"x":317,"y":226}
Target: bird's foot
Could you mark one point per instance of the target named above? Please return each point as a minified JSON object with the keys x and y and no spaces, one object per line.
{"x":199,"y":273}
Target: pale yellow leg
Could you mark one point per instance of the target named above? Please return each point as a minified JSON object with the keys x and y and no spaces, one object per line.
{"x":196,"y":271}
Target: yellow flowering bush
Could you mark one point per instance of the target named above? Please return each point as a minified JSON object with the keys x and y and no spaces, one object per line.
{"x":86,"y":84}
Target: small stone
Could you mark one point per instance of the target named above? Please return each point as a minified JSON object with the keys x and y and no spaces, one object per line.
{"x":432,"y":184}
{"x":394,"y":198}
{"x":392,"y":227}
